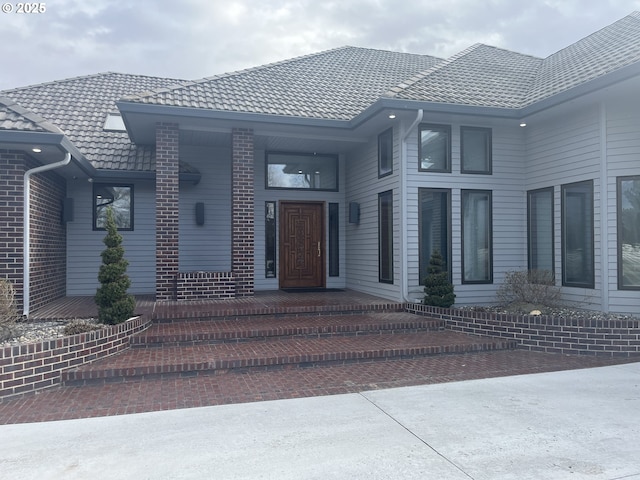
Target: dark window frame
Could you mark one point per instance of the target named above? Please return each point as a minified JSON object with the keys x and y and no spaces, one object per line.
{"x":620,"y":231}
{"x":333,"y":157}
{"x":488,"y":152}
{"x":385,"y":153}
{"x":590,"y":284}
{"x":550,"y":190}
{"x":489,"y":193}
{"x":105,"y":185}
{"x":385,"y":237}
{"x":444,"y":129}
{"x":422,"y":261}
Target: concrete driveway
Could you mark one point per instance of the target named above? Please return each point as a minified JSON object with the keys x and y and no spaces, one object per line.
{"x":572,"y":424}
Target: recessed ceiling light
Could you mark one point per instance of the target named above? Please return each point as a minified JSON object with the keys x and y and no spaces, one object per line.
{"x":523,"y":124}
{"x":36,"y":150}
{"x":392,"y":116}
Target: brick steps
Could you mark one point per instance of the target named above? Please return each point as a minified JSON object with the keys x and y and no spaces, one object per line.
{"x":195,"y":348}
{"x":264,"y":327}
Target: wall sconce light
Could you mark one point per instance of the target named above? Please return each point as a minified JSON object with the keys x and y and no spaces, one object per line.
{"x":200,"y":213}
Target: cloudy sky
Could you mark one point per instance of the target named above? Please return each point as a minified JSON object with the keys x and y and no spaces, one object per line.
{"x":190,"y":39}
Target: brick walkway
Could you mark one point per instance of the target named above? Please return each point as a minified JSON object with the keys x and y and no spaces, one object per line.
{"x":63,"y":403}
{"x":125,"y":395}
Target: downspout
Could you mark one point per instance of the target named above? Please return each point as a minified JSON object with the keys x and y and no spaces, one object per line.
{"x":404,"y":221}
{"x":27,"y":224}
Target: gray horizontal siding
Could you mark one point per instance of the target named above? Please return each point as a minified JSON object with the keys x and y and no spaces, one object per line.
{"x":206,"y":247}
{"x":84,"y":244}
{"x":507,"y":185}
{"x":363,"y":187}
{"x":623,"y":159}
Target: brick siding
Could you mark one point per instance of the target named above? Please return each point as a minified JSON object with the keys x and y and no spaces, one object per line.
{"x":48,"y":233}
{"x":32,"y":367}
{"x":12,"y":166}
{"x":544,"y":333}
{"x":48,"y":238}
{"x":242,"y":211}
{"x":167,"y":218}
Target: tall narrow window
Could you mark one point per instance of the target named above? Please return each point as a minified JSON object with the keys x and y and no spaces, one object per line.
{"x":477,"y":262}
{"x":117,"y":197}
{"x":385,"y":237}
{"x":434,"y":207}
{"x":577,"y":235}
{"x":629,"y":233}
{"x":385,"y":153}
{"x":334,"y":239}
{"x":270,"y":239}
{"x":434,"y":148}
{"x":475,"y":150}
{"x":540,"y":229}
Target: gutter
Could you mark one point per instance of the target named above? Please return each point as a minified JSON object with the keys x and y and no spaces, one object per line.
{"x":27,"y":224}
{"x":404,"y":243}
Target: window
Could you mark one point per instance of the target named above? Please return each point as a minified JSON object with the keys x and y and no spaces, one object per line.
{"x":577,"y":235}
{"x":334,"y":239}
{"x":302,"y":171}
{"x":540,"y":229}
{"x":629,"y":233}
{"x":477,"y":262}
{"x":114,"y":123}
{"x":117,"y":197}
{"x":434,"y":207}
{"x":434,"y":148}
{"x":385,"y":234}
{"x":475,"y":150}
{"x":270,"y":239}
{"x":385,"y":153}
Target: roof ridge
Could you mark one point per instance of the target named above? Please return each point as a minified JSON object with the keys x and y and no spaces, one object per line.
{"x":395,"y":91}
{"x":29,"y":115}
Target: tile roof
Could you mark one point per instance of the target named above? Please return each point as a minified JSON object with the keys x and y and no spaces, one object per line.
{"x":479,"y":76}
{"x":491,"y":77}
{"x":602,"y":52}
{"x":79,"y":106}
{"x":335,"y":84}
{"x":15,"y":117}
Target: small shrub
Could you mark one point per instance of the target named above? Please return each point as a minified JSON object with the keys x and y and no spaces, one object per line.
{"x":534,"y":287}
{"x":8,"y":310}
{"x":437,"y":287}
{"x":114,"y":304}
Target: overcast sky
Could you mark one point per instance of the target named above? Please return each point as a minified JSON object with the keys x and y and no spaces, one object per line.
{"x":191,"y":39}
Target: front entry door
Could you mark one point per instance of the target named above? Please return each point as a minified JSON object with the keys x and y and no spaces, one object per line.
{"x":301,"y":245}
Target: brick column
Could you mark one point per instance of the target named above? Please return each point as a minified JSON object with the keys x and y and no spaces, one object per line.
{"x":242,"y":211}
{"x":12,"y":166}
{"x":167,"y":199}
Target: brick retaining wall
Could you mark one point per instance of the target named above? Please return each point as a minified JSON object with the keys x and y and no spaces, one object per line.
{"x":544,"y":333}
{"x":34,"y":366}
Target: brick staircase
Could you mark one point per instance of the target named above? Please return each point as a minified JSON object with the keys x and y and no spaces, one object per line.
{"x":233,"y":344}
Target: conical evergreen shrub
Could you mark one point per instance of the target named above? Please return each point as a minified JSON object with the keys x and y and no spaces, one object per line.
{"x":437,"y":287}
{"x":114,"y":304}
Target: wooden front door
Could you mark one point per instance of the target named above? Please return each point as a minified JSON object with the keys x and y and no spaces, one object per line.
{"x":301,"y":245}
